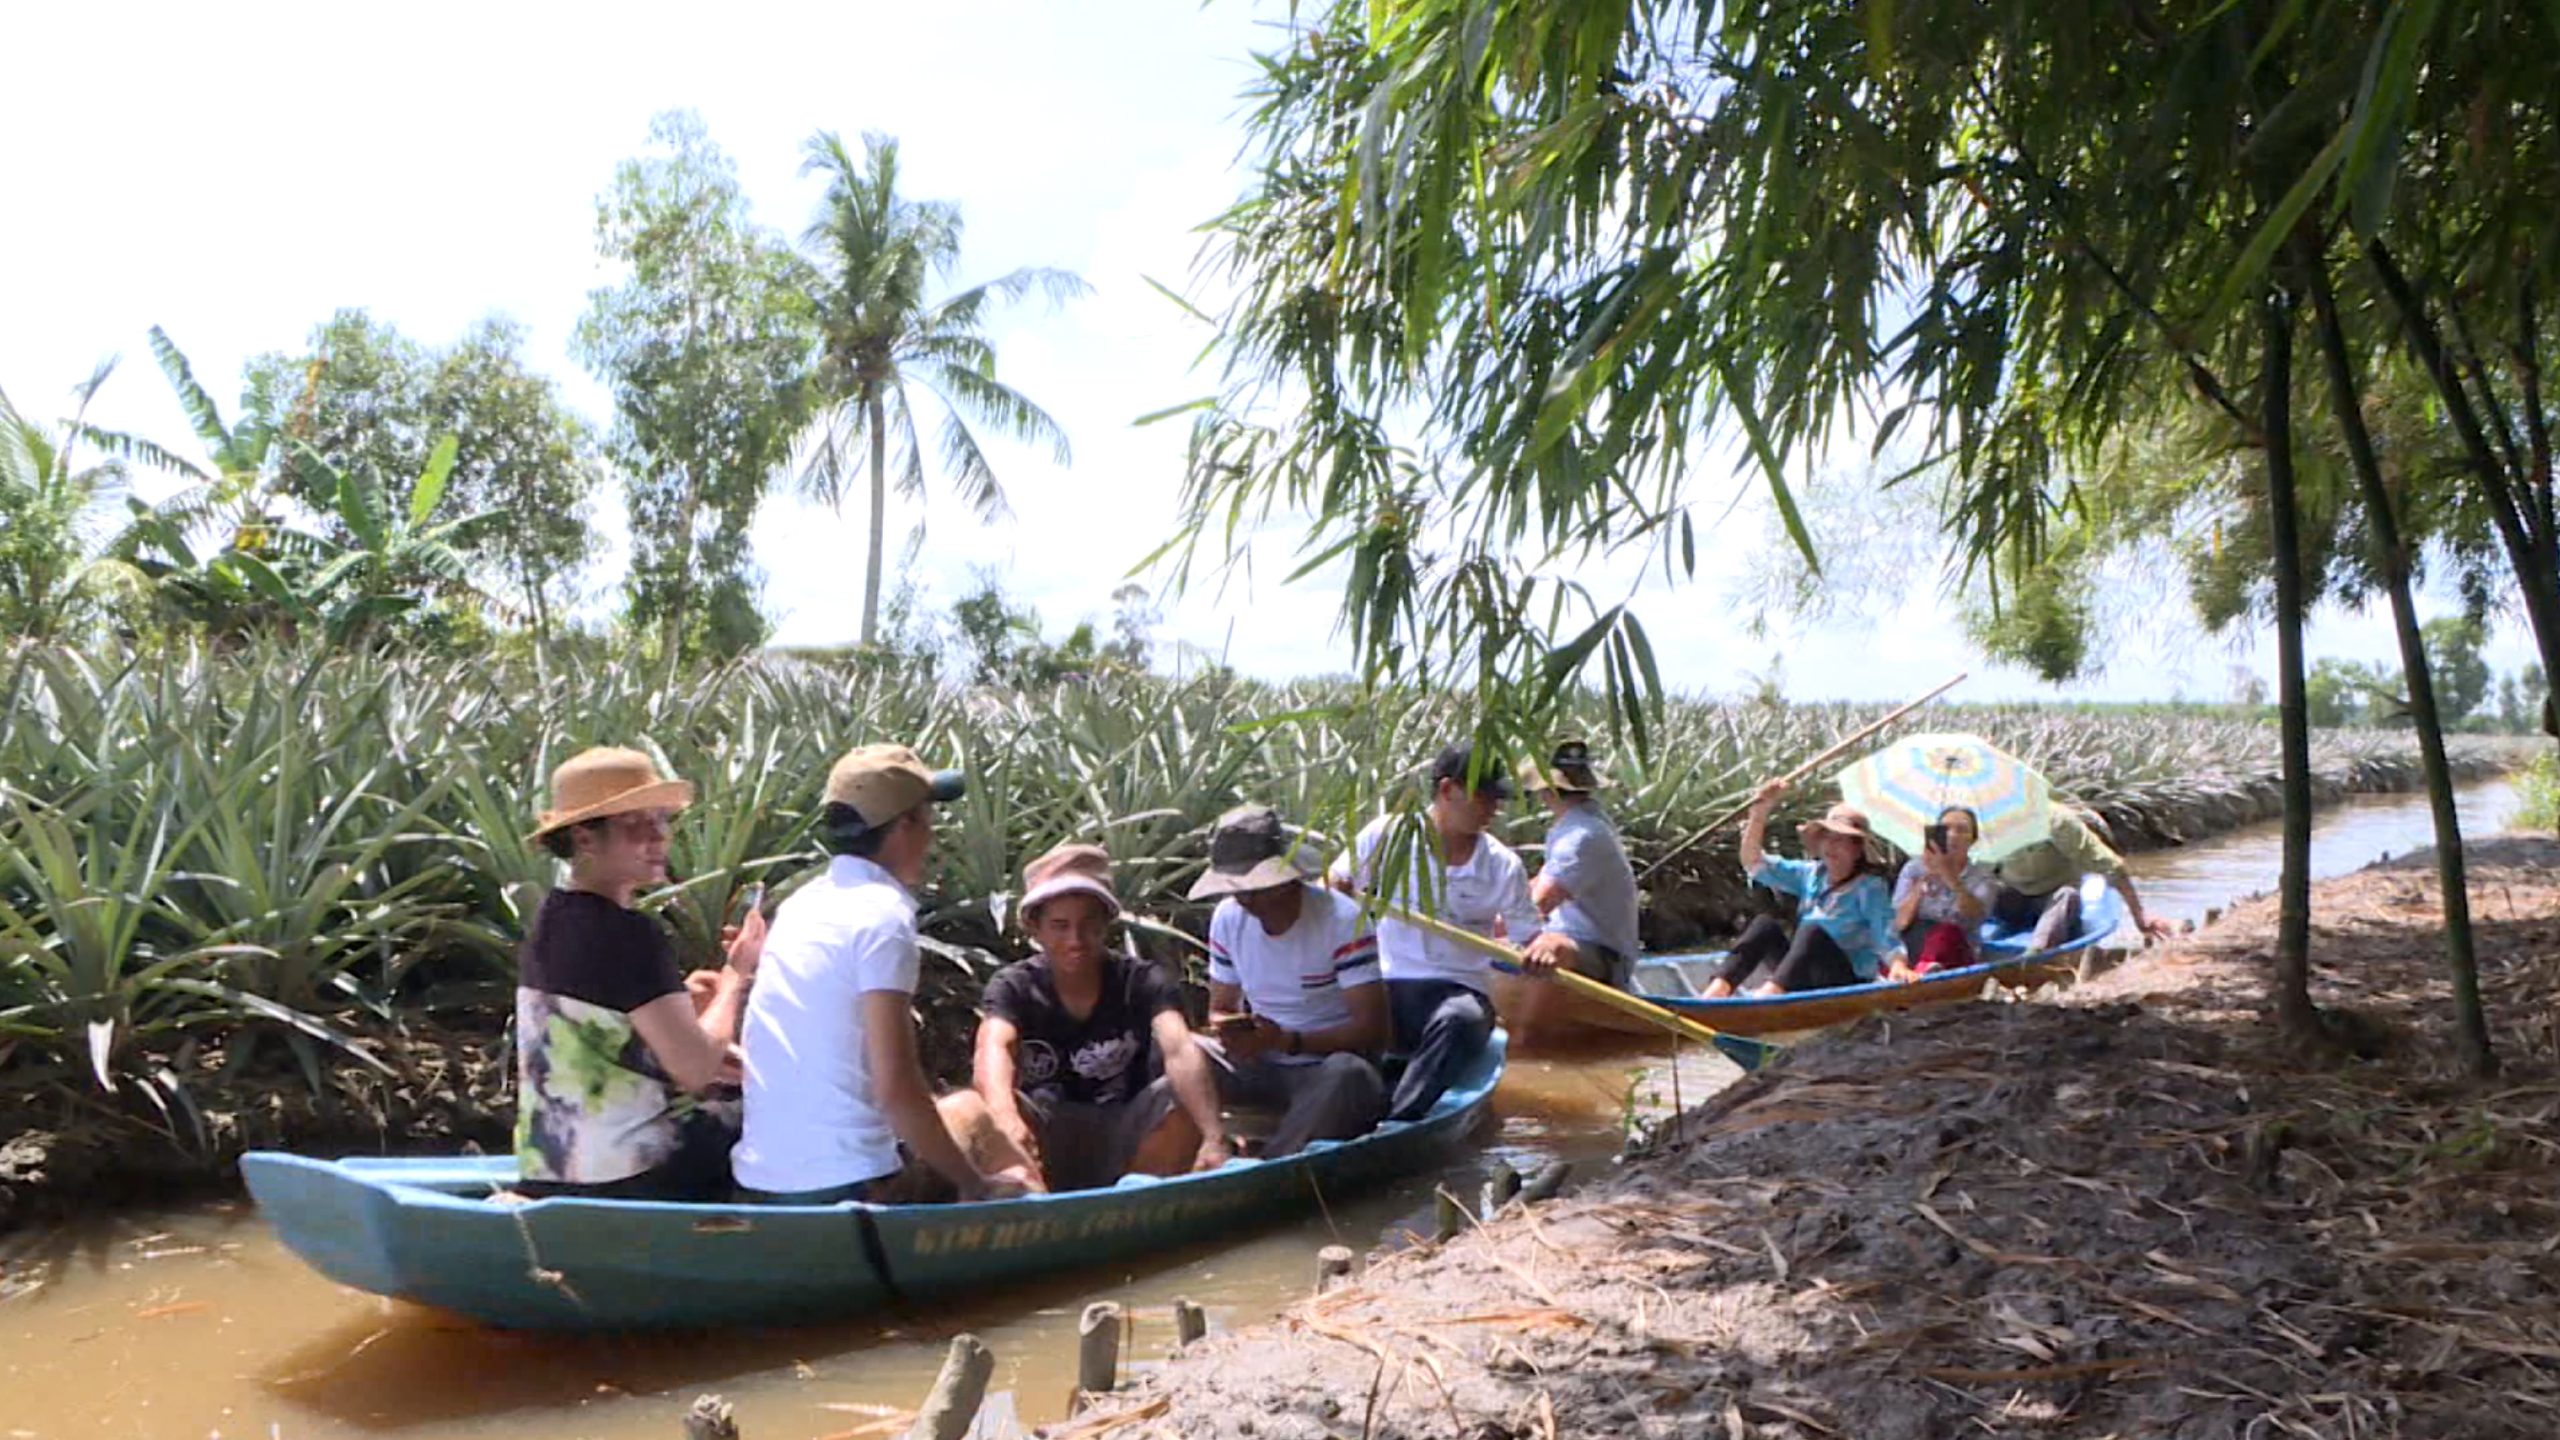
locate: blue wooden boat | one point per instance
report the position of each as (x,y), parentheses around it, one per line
(429,1230)
(1674,980)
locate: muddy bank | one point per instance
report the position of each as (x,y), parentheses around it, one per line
(2121,1213)
(1701,897)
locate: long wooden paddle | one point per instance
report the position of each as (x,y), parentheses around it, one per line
(1798,773)
(1583,985)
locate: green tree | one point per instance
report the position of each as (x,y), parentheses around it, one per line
(51,505)
(2454,643)
(1559,241)
(369,401)
(874,253)
(702,343)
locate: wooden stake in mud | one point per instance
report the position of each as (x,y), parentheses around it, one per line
(1098,1349)
(951,1407)
(1546,1183)
(1499,1188)
(1190,1324)
(1333,1267)
(711,1418)
(1451,1219)
(1792,776)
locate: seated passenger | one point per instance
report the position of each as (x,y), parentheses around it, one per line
(1064,1040)
(2039,886)
(1439,992)
(838,1103)
(1296,1008)
(1844,913)
(1941,898)
(1586,889)
(614,1064)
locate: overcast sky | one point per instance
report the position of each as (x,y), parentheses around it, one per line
(235,173)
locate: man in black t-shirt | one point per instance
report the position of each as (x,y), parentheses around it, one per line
(1084,1057)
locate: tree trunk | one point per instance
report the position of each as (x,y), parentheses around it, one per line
(872,421)
(2471,1026)
(2295,1014)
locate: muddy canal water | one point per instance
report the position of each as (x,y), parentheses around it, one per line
(195,1324)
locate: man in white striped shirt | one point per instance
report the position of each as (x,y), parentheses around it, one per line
(1296,1010)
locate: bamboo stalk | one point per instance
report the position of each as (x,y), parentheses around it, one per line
(1798,773)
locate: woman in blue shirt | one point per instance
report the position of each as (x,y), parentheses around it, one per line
(1844,911)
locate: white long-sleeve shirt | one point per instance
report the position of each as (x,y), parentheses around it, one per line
(1492,882)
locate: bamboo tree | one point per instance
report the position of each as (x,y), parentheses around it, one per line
(2471,1027)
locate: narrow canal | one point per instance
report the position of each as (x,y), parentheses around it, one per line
(195,1324)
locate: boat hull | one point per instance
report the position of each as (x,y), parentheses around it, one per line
(426,1230)
(1665,979)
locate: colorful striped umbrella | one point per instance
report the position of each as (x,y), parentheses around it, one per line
(1906,785)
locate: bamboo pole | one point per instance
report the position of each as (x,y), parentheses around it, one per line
(1190,1324)
(1798,773)
(1499,1188)
(1582,985)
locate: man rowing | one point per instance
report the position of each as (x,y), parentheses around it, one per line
(1439,992)
(1586,889)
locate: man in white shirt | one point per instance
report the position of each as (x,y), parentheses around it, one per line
(1439,992)
(838,1103)
(1295,1004)
(1586,888)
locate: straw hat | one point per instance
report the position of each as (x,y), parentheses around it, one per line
(1846,820)
(1248,850)
(608,781)
(1068,870)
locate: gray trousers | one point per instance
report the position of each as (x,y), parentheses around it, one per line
(1332,1097)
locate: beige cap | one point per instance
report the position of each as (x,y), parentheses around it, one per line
(1068,869)
(607,781)
(882,782)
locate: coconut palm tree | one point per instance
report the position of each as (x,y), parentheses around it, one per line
(875,254)
(49,503)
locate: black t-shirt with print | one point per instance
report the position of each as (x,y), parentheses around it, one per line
(586,947)
(1104,1059)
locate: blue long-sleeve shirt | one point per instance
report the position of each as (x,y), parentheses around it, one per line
(1858,915)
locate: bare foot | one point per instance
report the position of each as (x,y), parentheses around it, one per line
(1717,989)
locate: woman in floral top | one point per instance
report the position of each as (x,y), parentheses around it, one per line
(617,1055)
(1844,931)
(1942,897)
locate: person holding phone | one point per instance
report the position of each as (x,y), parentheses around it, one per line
(1941,897)
(1297,1008)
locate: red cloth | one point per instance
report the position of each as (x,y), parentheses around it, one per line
(1946,947)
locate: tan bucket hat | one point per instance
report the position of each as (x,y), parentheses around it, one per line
(605,781)
(1068,870)
(882,782)
(1249,850)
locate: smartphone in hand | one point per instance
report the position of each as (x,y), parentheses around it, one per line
(751,899)
(1935,838)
